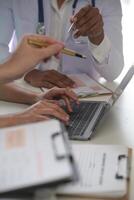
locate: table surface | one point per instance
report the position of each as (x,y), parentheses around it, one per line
(115,128)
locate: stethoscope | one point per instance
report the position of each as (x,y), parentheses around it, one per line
(41,26)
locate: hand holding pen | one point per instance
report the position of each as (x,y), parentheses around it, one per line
(88,22)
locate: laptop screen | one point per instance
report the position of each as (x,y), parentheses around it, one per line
(123,84)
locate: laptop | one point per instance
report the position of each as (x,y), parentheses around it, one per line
(85,117)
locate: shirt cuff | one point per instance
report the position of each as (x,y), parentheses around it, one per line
(100,52)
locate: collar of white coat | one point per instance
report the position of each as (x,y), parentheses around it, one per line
(55,5)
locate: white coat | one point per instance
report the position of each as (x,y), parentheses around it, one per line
(22,17)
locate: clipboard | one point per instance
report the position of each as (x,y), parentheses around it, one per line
(35,156)
(120,176)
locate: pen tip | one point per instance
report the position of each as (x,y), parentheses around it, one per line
(84,56)
(80,56)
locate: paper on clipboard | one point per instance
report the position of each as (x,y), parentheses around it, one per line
(86,86)
(34,155)
(98,166)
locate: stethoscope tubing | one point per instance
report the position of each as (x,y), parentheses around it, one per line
(41,9)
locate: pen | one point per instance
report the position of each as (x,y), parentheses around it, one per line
(71,27)
(41,89)
(69,52)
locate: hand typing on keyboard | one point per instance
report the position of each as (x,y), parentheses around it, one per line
(80,118)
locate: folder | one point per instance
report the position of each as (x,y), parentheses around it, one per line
(104,173)
(34,156)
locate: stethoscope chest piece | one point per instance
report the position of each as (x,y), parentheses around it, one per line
(41,28)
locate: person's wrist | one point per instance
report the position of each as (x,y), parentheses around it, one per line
(20,118)
(96,38)
(37,97)
(15,63)
(33,98)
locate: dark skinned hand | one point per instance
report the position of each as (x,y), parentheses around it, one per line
(48,79)
(88,22)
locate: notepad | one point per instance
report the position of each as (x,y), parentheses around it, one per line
(86,86)
(103,171)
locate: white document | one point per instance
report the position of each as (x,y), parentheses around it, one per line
(98,165)
(86,86)
(33,154)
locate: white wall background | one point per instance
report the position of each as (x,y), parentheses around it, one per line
(128,31)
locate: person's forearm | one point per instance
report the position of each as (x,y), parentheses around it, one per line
(13,120)
(5,73)
(8,72)
(12,93)
(10,120)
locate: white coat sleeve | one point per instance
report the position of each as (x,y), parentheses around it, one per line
(112,65)
(6,28)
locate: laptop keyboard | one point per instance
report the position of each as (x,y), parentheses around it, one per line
(81,117)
